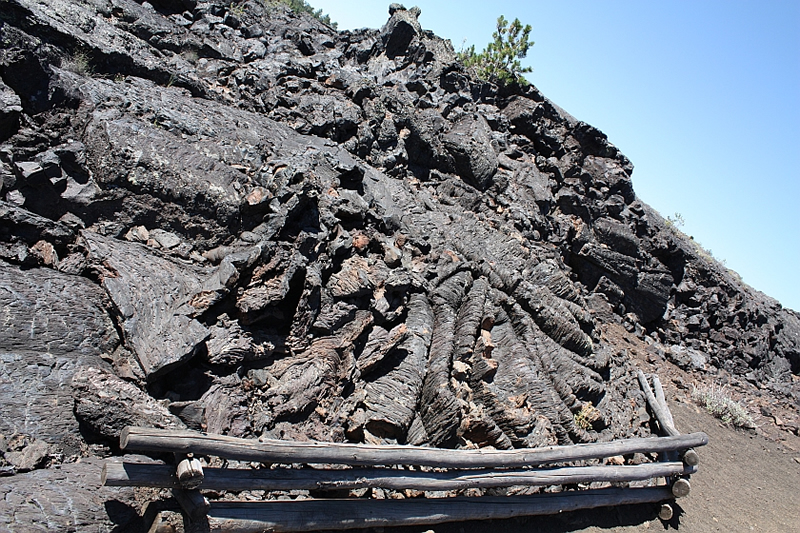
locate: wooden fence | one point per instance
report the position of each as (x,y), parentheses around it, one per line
(431,469)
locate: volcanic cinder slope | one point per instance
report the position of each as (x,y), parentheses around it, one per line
(230,217)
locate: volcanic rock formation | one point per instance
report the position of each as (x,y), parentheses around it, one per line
(230,217)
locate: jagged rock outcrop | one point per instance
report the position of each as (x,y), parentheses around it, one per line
(236,219)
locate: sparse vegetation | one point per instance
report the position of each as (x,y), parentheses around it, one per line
(499,61)
(588,415)
(676,220)
(301,6)
(190,55)
(237,8)
(78,63)
(718,402)
(708,254)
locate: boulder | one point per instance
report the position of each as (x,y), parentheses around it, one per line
(26,454)
(400,30)
(105,405)
(469,143)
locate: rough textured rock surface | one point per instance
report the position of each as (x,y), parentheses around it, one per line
(67,498)
(53,324)
(233,218)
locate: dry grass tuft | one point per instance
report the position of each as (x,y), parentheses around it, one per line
(587,416)
(78,63)
(718,402)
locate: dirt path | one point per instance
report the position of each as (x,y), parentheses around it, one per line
(745,482)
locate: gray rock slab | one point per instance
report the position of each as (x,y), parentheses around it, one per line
(106,404)
(66,498)
(53,323)
(157,299)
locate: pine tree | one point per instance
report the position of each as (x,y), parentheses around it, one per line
(499,61)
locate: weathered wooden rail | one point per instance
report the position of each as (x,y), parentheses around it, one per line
(402,467)
(163,476)
(279,451)
(313,515)
(658,404)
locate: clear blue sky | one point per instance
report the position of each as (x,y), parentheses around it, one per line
(703,96)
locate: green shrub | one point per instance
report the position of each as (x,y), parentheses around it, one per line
(499,61)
